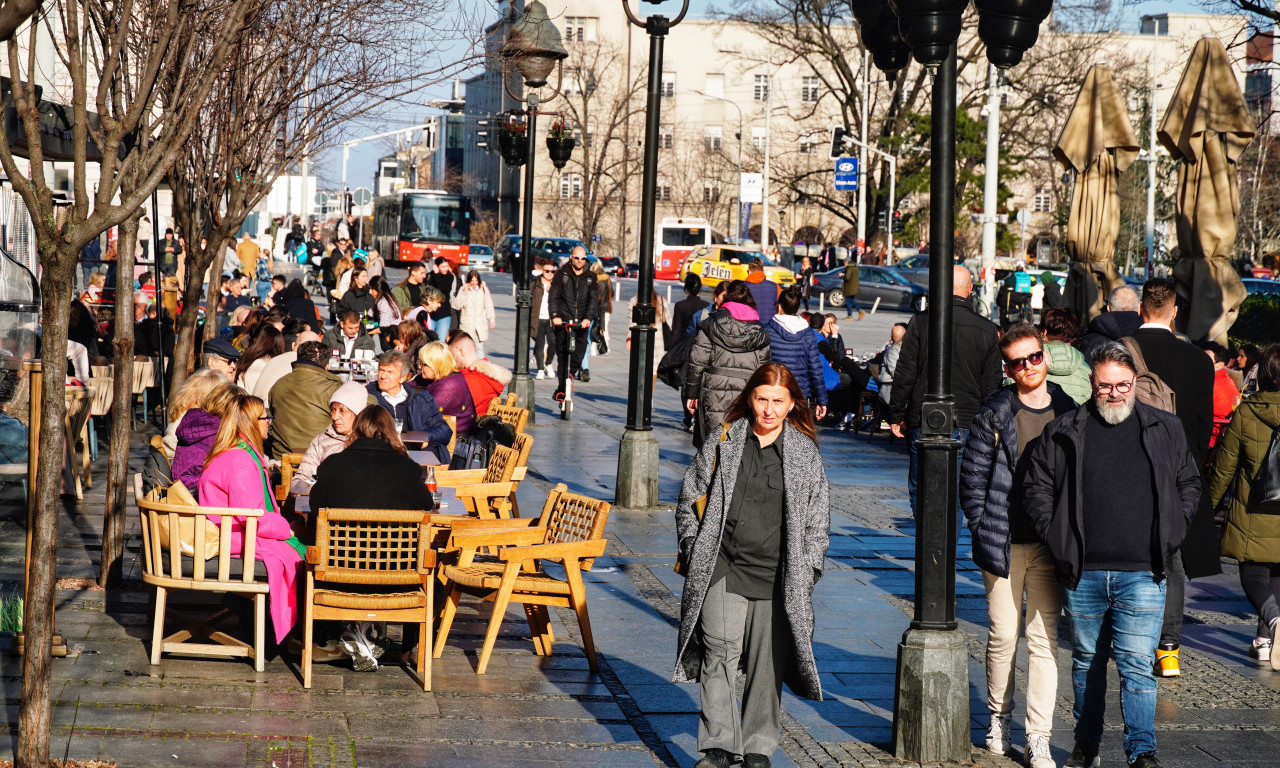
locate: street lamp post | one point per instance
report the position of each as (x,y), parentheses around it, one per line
(534,47)
(638,450)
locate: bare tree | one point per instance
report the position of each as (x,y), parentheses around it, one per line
(119,58)
(13,13)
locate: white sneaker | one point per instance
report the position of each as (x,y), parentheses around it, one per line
(1260,649)
(998,734)
(1036,754)
(540,375)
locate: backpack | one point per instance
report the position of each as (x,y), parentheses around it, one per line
(473,451)
(1150,389)
(1264,492)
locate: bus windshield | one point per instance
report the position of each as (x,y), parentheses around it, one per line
(683,237)
(438,219)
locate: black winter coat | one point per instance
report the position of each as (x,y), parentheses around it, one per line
(1055,488)
(574,298)
(1109,326)
(370,474)
(975,365)
(358,300)
(724,355)
(986,474)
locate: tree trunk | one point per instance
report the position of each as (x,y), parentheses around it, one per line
(184,357)
(213,295)
(34,716)
(117,508)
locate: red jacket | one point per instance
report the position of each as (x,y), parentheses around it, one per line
(486,381)
(1225,399)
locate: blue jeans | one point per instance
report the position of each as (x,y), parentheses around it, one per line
(851,304)
(1116,613)
(441,327)
(914,434)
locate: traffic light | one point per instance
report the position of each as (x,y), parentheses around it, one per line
(897,221)
(882,219)
(482,135)
(837,141)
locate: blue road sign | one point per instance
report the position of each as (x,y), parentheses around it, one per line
(847,174)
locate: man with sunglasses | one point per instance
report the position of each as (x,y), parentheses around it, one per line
(1111,489)
(574,301)
(1014,562)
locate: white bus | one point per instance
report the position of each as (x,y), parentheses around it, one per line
(676,238)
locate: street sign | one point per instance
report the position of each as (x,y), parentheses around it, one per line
(361,196)
(751,188)
(597,238)
(322,198)
(1024,216)
(847,174)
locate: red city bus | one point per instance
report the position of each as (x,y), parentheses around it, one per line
(413,224)
(676,238)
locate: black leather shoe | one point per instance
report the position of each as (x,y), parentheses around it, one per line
(1146,760)
(585,376)
(714,758)
(755,760)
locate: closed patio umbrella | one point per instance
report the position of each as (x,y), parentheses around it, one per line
(1097,143)
(1207,127)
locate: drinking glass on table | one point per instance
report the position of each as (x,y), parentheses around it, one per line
(399,426)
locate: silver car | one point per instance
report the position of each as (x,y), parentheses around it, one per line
(481,257)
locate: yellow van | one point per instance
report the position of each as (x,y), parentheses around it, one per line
(714,263)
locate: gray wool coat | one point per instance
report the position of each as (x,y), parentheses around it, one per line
(805,538)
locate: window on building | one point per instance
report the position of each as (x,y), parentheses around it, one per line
(666,137)
(712,138)
(809,89)
(580,29)
(582,140)
(714,88)
(761,90)
(809,142)
(668,85)
(570,186)
(711,194)
(1043,201)
(664,190)
(759,138)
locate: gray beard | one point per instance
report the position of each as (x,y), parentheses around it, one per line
(1113,414)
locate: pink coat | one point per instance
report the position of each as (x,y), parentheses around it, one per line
(233,479)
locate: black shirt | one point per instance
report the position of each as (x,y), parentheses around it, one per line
(1119,496)
(1030,423)
(415,294)
(751,548)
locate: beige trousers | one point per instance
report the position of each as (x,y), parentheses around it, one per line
(1031,574)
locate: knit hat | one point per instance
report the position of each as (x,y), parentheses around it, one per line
(351,395)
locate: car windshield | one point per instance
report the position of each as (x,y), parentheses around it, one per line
(561,246)
(745,257)
(894,276)
(611,261)
(481,250)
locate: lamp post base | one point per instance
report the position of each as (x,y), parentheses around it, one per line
(931,704)
(522,387)
(637,469)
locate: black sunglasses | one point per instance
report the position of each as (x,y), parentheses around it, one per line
(1035,358)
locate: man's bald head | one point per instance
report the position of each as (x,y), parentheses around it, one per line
(897,332)
(304,337)
(962,281)
(1123,299)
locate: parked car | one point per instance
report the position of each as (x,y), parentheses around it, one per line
(714,263)
(480,257)
(557,248)
(884,283)
(613,266)
(915,268)
(633,269)
(508,250)
(1256,285)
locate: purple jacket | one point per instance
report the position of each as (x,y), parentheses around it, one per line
(196,434)
(454,398)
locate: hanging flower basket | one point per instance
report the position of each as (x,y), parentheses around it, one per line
(559,144)
(514,148)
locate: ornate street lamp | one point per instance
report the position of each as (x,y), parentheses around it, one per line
(533,48)
(638,450)
(878,28)
(931,709)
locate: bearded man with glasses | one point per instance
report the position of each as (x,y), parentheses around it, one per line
(1111,489)
(1014,562)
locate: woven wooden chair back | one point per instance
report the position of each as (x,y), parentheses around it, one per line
(452,421)
(102,389)
(515,416)
(505,461)
(101,371)
(158,567)
(144,374)
(370,546)
(573,517)
(289,464)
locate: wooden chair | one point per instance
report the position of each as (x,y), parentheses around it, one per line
(570,530)
(452,421)
(359,559)
(222,572)
(76,436)
(491,492)
(144,377)
(511,414)
(103,388)
(289,464)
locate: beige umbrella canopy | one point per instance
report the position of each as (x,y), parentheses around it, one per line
(1097,143)
(1207,127)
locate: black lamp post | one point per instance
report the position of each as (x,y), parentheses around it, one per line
(638,449)
(931,708)
(533,47)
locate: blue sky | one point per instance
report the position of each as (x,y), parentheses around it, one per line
(364,157)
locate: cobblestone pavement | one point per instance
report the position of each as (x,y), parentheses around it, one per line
(552,711)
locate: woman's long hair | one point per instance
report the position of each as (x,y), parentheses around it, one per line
(267,342)
(775,375)
(240,423)
(194,391)
(375,422)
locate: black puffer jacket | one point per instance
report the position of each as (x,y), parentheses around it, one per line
(724,355)
(1055,488)
(358,300)
(574,298)
(975,365)
(986,475)
(1108,326)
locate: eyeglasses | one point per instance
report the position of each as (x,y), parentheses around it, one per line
(1123,387)
(1017,364)
(578,258)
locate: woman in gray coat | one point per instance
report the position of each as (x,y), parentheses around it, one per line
(751,560)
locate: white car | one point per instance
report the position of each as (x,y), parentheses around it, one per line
(480,257)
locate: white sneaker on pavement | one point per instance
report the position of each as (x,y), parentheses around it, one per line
(998,734)
(1036,754)
(541,374)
